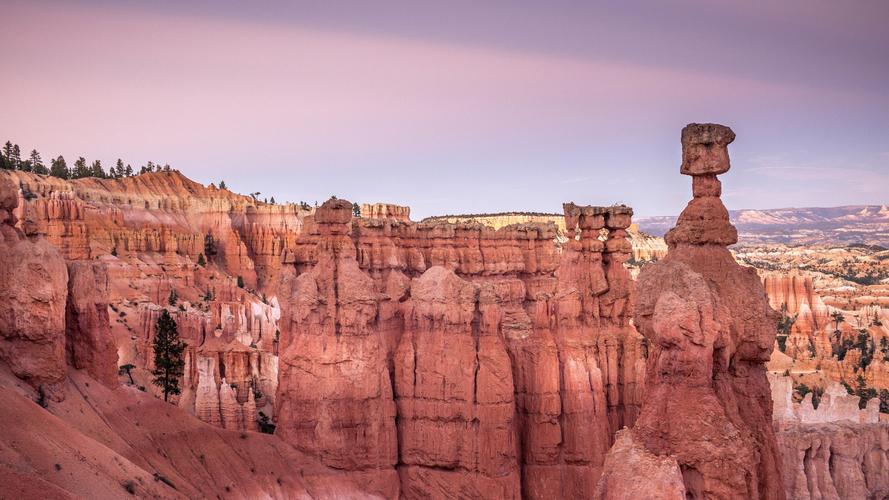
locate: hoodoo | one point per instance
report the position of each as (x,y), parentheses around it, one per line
(707,411)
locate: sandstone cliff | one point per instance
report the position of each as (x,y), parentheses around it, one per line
(442,358)
(72,310)
(131,245)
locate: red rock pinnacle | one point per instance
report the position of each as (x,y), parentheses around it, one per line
(710,330)
(704,155)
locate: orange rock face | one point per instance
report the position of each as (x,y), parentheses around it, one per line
(440,358)
(88,340)
(835,460)
(33,293)
(130,245)
(710,328)
(657,477)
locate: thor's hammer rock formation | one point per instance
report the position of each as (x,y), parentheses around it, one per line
(710,329)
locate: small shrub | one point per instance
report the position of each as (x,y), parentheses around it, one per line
(159,477)
(41,397)
(126,369)
(265,425)
(782,342)
(130,486)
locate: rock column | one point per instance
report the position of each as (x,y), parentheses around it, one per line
(710,330)
(335,395)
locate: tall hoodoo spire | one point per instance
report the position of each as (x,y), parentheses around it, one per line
(705,428)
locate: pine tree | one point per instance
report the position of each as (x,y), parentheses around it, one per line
(201,260)
(80,169)
(59,168)
(222,185)
(168,363)
(173,298)
(7,156)
(240,282)
(356,210)
(37,165)
(128,171)
(118,168)
(272,200)
(209,245)
(16,158)
(96,170)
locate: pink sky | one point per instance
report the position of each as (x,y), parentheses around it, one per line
(302,108)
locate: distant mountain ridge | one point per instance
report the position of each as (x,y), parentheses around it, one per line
(866,224)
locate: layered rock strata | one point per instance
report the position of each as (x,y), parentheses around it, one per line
(645,247)
(136,245)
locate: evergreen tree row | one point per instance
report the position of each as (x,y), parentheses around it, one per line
(11,159)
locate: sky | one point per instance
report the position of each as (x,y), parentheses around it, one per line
(461,106)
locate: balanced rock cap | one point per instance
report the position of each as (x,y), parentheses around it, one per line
(705,149)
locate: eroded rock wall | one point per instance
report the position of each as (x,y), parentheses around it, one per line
(442,358)
(835,460)
(33,294)
(136,245)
